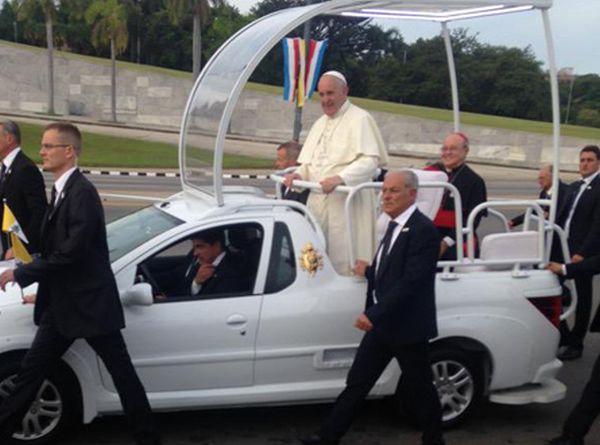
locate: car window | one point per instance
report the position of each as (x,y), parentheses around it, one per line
(282,265)
(133,230)
(214,263)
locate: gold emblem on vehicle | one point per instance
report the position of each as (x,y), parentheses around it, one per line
(311,260)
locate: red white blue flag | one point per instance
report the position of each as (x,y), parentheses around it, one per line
(300,76)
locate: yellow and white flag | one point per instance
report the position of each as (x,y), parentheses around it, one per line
(16,235)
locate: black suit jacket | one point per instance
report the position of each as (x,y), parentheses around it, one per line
(563,191)
(405,311)
(24,193)
(76,282)
(228,278)
(301,196)
(584,231)
(589,266)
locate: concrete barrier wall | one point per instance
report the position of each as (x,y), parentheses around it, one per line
(82,88)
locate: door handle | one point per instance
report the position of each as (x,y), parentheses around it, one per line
(236,320)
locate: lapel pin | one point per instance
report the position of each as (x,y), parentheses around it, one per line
(405,229)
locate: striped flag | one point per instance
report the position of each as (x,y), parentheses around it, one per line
(300,76)
(315,59)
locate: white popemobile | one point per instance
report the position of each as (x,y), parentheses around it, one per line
(289,337)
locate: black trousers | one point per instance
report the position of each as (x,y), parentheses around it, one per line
(587,409)
(575,336)
(47,348)
(372,357)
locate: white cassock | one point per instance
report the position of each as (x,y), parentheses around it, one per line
(348,145)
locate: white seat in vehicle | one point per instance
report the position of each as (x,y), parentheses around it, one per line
(510,245)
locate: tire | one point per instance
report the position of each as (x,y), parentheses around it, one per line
(56,406)
(458,378)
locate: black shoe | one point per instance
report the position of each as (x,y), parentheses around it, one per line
(563,440)
(315,439)
(571,353)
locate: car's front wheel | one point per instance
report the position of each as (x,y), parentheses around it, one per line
(55,405)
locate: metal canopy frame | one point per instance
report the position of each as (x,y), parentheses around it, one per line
(219,86)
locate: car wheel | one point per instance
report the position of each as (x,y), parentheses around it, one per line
(458,379)
(55,406)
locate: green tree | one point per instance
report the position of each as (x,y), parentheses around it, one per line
(200,9)
(109,21)
(27,9)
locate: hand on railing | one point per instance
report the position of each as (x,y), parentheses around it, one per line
(329,184)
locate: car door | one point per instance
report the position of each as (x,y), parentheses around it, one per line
(185,343)
(306,340)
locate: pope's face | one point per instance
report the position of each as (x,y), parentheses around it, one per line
(333,94)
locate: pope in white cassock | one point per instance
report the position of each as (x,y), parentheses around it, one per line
(343,147)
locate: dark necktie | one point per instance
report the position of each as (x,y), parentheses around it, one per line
(2,176)
(52,200)
(385,245)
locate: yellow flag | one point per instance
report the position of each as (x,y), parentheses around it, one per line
(10,224)
(19,250)
(8,219)
(301,74)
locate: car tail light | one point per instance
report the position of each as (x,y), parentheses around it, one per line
(550,307)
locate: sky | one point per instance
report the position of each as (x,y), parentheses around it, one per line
(575,29)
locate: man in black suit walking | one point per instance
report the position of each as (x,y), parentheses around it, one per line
(400,315)
(21,188)
(77,295)
(580,219)
(582,416)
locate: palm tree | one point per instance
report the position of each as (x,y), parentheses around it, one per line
(177,9)
(109,21)
(26,9)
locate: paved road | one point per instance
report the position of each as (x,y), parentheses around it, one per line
(376,424)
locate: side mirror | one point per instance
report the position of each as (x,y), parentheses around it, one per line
(139,294)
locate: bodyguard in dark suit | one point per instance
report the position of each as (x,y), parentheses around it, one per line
(582,416)
(77,295)
(581,220)
(400,315)
(287,158)
(21,188)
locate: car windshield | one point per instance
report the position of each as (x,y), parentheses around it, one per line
(131,231)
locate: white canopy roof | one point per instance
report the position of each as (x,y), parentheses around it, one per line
(217,90)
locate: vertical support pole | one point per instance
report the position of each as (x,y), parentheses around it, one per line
(555,125)
(452,72)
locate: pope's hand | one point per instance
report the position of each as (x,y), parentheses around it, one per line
(288,180)
(6,277)
(329,184)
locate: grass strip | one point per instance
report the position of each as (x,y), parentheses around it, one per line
(118,152)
